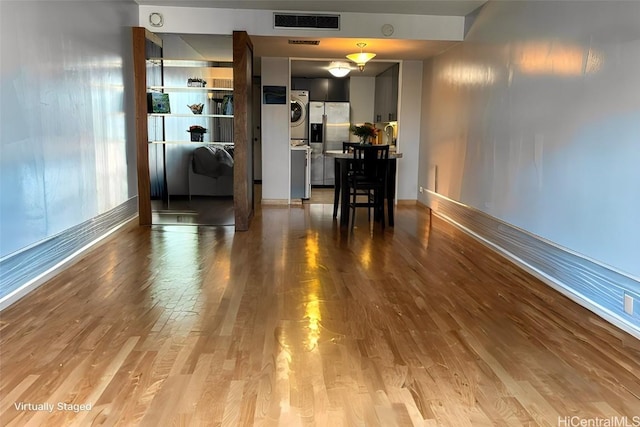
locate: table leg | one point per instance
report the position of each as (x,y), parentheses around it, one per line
(391,190)
(336,190)
(344,195)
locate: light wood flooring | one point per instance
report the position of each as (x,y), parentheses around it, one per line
(320,195)
(297,323)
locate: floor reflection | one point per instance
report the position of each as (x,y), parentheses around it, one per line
(200,210)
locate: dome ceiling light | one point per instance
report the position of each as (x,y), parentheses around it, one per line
(361,58)
(339,69)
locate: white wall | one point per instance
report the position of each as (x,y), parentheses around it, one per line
(535,119)
(66,120)
(275,133)
(409,117)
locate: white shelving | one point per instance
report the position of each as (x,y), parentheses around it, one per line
(216,95)
(189,89)
(186,142)
(193,116)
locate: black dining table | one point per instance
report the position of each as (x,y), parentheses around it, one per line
(341,198)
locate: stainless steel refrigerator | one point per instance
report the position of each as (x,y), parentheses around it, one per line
(328,128)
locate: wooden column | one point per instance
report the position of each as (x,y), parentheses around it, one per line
(142,153)
(141,37)
(243,196)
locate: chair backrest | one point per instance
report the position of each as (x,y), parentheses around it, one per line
(368,152)
(348,146)
(371,160)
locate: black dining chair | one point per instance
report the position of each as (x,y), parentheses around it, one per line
(347,147)
(367,180)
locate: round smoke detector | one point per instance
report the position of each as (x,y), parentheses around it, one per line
(155,19)
(387,30)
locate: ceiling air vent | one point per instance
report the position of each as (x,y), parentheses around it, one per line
(305,42)
(325,22)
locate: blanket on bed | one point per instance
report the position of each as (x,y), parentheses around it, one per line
(212,161)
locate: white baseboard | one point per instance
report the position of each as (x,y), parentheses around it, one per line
(275,202)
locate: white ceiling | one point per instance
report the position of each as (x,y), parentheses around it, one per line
(387,51)
(410,7)
(312,61)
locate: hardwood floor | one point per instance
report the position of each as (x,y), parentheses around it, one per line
(296,323)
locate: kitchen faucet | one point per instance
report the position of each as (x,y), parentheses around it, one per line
(388,132)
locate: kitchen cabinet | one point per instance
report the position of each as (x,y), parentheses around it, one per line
(323,89)
(300,172)
(386,95)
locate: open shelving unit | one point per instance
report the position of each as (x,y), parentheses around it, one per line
(208,84)
(216,95)
(159,136)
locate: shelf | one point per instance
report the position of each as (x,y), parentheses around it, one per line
(185,142)
(170,130)
(190,89)
(222,116)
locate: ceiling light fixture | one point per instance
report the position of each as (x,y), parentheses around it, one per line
(361,58)
(339,69)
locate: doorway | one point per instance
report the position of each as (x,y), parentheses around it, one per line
(189,161)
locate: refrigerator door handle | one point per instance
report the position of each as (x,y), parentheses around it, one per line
(324,133)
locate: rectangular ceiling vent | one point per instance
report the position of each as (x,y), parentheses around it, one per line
(290,20)
(305,42)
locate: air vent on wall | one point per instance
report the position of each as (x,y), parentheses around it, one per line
(305,42)
(286,20)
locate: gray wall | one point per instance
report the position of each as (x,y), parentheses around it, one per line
(409,129)
(530,140)
(67,151)
(535,120)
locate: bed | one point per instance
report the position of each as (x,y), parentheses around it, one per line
(211,171)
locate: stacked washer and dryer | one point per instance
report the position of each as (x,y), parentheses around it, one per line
(299,117)
(300,149)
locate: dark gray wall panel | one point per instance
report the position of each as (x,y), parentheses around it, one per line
(20,268)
